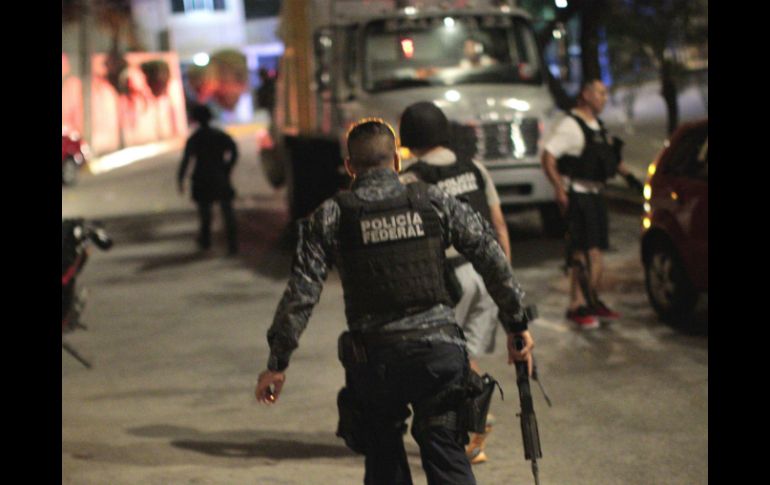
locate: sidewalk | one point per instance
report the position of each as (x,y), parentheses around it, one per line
(138,153)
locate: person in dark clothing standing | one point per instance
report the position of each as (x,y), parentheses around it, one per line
(403,347)
(215,154)
(266,90)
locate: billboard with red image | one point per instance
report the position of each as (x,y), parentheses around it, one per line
(136,98)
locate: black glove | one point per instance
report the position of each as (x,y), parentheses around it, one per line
(634,183)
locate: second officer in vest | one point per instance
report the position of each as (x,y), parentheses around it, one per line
(424,129)
(403,347)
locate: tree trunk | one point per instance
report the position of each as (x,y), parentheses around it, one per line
(669,92)
(589,41)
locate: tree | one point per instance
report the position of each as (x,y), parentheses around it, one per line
(659,27)
(592,15)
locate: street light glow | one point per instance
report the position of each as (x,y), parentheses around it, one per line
(201,59)
(561,3)
(449,22)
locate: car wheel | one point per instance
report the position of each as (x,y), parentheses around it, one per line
(669,289)
(69,171)
(553,222)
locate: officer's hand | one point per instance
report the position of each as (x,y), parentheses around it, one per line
(525,354)
(266,379)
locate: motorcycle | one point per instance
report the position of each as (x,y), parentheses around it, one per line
(77,237)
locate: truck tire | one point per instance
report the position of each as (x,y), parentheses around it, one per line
(553,223)
(313,173)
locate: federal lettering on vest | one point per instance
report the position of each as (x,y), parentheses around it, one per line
(407,225)
(462,184)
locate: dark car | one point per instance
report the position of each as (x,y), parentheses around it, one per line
(74,154)
(675,234)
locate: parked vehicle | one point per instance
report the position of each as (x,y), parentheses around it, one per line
(675,224)
(347,59)
(77,237)
(74,155)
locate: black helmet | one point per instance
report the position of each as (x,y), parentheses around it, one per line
(423,125)
(201,113)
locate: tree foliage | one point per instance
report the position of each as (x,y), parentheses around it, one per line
(652,30)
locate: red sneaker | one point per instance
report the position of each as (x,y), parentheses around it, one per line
(604,312)
(583,317)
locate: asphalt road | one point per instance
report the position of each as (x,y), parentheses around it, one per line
(177,340)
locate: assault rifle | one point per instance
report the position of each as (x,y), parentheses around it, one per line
(529,433)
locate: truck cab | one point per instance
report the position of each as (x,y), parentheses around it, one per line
(481,65)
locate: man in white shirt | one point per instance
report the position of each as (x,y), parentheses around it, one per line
(578,158)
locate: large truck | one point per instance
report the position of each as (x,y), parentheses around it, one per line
(479,61)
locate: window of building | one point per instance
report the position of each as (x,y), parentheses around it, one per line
(182,6)
(261,8)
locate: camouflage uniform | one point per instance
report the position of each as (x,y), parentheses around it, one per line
(421,372)
(317,251)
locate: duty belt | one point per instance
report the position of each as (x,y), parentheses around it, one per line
(389,338)
(353,347)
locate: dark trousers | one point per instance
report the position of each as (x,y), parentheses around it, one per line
(587,222)
(410,373)
(204,214)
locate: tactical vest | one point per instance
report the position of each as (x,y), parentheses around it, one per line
(391,254)
(461,179)
(598,161)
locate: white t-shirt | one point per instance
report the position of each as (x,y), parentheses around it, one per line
(566,138)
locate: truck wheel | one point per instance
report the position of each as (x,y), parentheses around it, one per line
(669,289)
(69,171)
(552,221)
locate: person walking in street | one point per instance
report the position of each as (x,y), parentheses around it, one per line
(403,346)
(424,129)
(214,153)
(578,158)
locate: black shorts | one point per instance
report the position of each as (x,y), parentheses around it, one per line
(587,222)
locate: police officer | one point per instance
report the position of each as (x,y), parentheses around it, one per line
(578,158)
(424,129)
(403,347)
(214,153)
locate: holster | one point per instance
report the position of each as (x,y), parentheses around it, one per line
(351,350)
(473,415)
(351,421)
